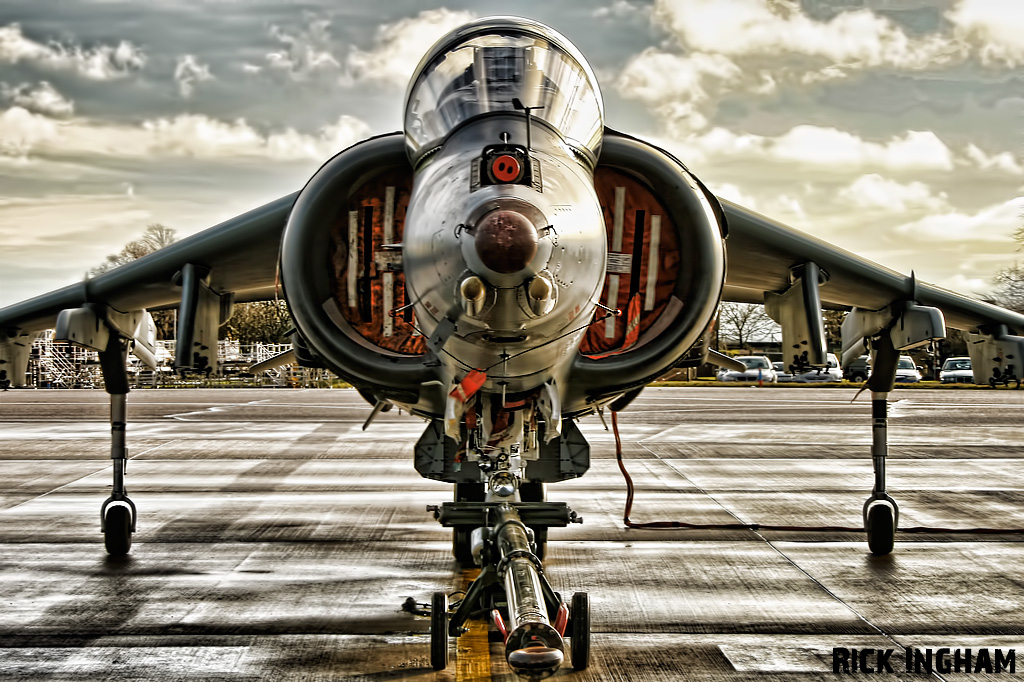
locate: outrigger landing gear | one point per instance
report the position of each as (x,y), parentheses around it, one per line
(117,514)
(881,513)
(529,617)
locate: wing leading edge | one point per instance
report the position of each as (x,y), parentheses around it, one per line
(762,254)
(239,254)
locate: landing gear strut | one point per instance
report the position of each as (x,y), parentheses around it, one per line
(118,513)
(529,617)
(881,513)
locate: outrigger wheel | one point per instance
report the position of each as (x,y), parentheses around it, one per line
(439,631)
(117,532)
(579,633)
(881,529)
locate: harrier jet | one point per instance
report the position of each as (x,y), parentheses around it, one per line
(501,267)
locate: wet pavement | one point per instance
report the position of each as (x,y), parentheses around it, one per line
(277,540)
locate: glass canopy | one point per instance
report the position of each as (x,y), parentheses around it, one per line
(481,67)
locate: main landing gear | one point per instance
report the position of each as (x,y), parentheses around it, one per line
(528,616)
(118,513)
(881,513)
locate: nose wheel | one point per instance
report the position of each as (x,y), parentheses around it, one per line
(881,528)
(439,631)
(579,633)
(117,530)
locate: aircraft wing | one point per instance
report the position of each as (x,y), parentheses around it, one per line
(240,255)
(762,253)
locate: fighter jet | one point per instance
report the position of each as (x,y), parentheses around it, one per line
(503,266)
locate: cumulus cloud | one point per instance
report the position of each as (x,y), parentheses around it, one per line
(733,193)
(993,29)
(992,224)
(23,133)
(823,148)
(42,98)
(1003,161)
(100,63)
(304,52)
(872,191)
(188,72)
(771,28)
(620,10)
(677,85)
(398,47)
(760,47)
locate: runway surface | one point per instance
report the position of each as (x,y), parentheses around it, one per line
(277,540)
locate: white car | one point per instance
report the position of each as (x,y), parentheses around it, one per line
(759,368)
(957,371)
(906,371)
(819,375)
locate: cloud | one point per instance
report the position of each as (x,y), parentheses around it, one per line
(992,224)
(823,148)
(779,27)
(872,191)
(23,133)
(99,63)
(760,47)
(733,193)
(678,85)
(620,10)
(398,47)
(1003,161)
(306,51)
(188,72)
(993,28)
(41,99)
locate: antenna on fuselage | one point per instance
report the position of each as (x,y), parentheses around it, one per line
(518,106)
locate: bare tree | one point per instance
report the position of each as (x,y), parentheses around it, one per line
(742,323)
(1009,291)
(155,237)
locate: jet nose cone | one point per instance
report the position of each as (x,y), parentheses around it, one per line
(506,241)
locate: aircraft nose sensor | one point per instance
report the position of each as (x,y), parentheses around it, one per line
(506,241)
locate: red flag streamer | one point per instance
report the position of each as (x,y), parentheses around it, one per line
(469,385)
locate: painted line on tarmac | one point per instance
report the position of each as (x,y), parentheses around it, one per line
(473,649)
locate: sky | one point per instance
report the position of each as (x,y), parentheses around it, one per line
(891,128)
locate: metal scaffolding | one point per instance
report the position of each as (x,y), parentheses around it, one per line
(59,364)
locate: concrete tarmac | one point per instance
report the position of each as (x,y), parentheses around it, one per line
(277,540)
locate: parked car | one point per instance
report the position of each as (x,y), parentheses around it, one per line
(906,371)
(957,371)
(781,375)
(759,367)
(827,374)
(859,370)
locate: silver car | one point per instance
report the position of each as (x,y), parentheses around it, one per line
(759,368)
(957,371)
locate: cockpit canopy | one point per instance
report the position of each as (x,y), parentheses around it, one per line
(481,67)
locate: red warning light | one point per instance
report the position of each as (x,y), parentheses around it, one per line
(506,168)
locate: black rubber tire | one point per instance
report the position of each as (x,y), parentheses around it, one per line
(439,631)
(117,535)
(858,378)
(881,530)
(579,631)
(462,547)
